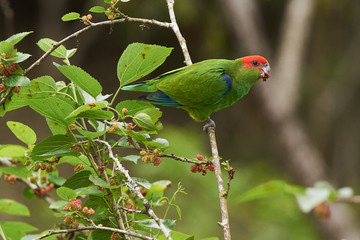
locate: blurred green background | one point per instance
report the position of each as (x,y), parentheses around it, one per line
(327,108)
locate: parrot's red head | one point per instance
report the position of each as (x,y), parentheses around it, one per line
(260,63)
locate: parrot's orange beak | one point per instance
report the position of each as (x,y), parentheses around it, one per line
(265,72)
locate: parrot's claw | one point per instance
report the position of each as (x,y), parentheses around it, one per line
(209,123)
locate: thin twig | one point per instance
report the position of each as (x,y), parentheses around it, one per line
(128,233)
(222,193)
(134,188)
(175,28)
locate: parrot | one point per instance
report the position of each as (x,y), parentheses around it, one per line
(205,87)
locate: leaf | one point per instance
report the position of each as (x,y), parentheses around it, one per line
(17,171)
(54,109)
(51,177)
(56,128)
(138,60)
(83,108)
(180,236)
(46,44)
(144,121)
(70,52)
(268,189)
(160,185)
(66,193)
(57,145)
(131,158)
(19,57)
(58,204)
(96,114)
(81,79)
(70,16)
(97,9)
(91,135)
(16,230)
(16,80)
(12,151)
(14,39)
(28,193)
(79,180)
(150,223)
(22,132)
(13,208)
(7,49)
(100,182)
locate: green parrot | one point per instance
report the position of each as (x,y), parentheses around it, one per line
(205,87)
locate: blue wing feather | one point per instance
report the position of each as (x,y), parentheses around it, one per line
(160,98)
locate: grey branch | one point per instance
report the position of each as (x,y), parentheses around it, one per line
(134,188)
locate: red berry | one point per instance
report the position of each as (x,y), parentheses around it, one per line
(85,210)
(199,157)
(157,161)
(193,168)
(49,169)
(200,168)
(43,167)
(17,89)
(42,191)
(211,167)
(143,192)
(203,172)
(91,211)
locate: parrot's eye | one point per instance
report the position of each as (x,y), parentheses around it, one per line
(255,63)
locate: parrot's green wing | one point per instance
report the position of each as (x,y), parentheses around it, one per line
(185,87)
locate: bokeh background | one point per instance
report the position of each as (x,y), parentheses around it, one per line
(301,126)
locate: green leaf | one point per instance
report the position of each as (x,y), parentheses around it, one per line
(6,48)
(13,151)
(22,132)
(28,193)
(14,39)
(17,171)
(57,145)
(160,185)
(79,180)
(99,182)
(16,80)
(81,79)
(16,230)
(56,179)
(131,158)
(54,109)
(96,114)
(268,189)
(70,16)
(144,121)
(97,9)
(138,60)
(56,128)
(66,193)
(83,108)
(19,57)
(70,52)
(59,204)
(150,223)
(46,44)
(13,208)
(91,135)
(180,236)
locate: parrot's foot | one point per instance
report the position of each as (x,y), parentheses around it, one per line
(209,123)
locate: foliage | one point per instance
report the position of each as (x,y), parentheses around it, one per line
(94,136)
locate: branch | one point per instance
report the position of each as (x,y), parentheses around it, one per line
(128,233)
(134,188)
(175,28)
(222,193)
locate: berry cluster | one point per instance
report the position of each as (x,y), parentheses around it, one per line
(7,70)
(151,157)
(202,167)
(48,168)
(86,19)
(10,178)
(75,205)
(42,191)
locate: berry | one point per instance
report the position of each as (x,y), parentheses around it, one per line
(68,219)
(50,187)
(75,203)
(157,161)
(76,148)
(200,168)
(42,166)
(115,236)
(91,211)
(66,208)
(13,67)
(211,167)
(193,168)
(125,111)
(199,157)
(203,172)
(42,191)
(143,192)
(33,179)
(85,210)
(36,167)
(142,152)
(130,126)
(2,87)
(49,169)
(75,224)
(113,128)
(17,89)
